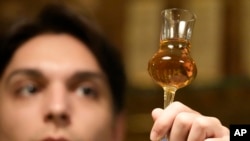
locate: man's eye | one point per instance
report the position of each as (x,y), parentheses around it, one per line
(86,91)
(28,89)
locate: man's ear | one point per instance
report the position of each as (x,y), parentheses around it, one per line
(120,127)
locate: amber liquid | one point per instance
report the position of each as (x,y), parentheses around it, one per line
(172,65)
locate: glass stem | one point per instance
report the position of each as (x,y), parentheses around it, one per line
(169,94)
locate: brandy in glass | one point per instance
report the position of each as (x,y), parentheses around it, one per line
(172,66)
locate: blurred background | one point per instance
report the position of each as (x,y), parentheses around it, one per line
(220,47)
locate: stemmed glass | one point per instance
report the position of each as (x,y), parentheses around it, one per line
(172,66)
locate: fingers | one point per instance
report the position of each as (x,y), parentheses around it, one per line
(206,127)
(165,119)
(224,135)
(179,122)
(181,126)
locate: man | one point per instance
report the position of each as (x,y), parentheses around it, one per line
(60,80)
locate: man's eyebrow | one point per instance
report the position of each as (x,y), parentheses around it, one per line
(86,75)
(76,77)
(27,72)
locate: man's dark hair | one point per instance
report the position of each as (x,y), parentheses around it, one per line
(60,19)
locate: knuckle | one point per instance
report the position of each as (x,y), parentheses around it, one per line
(201,123)
(182,118)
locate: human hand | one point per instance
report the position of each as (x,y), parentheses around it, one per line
(181,123)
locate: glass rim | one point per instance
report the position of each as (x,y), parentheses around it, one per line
(193,16)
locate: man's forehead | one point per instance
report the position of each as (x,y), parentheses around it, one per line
(55,52)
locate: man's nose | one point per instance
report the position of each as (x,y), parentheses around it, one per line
(57,106)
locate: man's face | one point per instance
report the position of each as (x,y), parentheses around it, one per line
(54,90)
